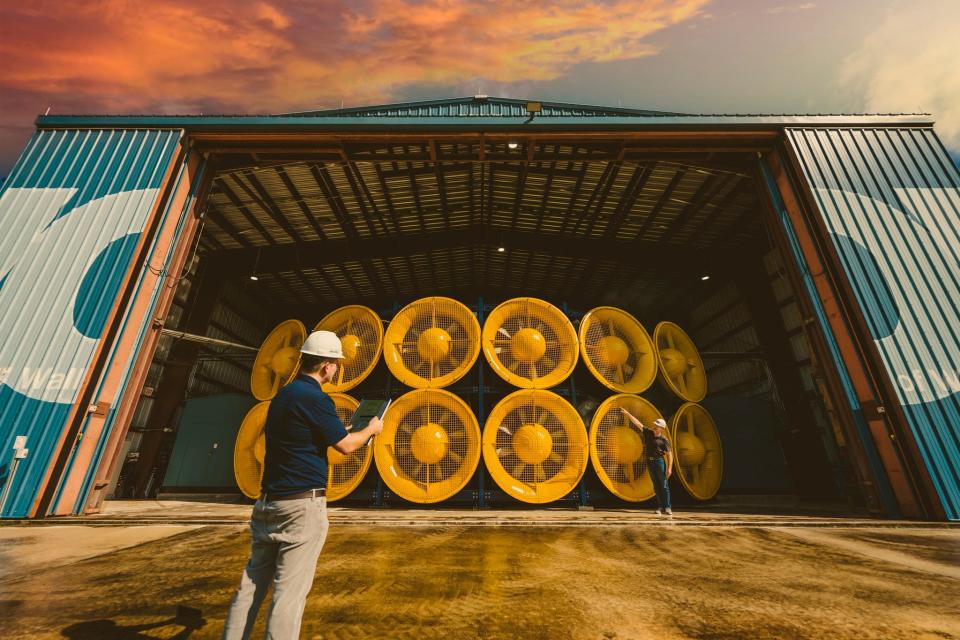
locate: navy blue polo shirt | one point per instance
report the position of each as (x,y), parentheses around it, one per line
(654,446)
(302,422)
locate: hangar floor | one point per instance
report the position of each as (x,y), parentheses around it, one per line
(537,581)
(731,510)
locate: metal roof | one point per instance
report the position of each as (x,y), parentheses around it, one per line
(482,106)
(390,224)
(480,112)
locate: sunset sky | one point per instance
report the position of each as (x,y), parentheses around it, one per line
(699,56)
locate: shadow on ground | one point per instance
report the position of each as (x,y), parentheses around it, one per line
(186,621)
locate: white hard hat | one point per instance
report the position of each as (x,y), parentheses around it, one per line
(660,422)
(324,344)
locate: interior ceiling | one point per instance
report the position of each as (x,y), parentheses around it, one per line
(376,224)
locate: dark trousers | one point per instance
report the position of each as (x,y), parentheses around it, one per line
(658,473)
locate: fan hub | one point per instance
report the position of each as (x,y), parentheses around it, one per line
(284,361)
(528,345)
(624,445)
(674,362)
(690,449)
(434,344)
(429,443)
(351,345)
(532,443)
(612,351)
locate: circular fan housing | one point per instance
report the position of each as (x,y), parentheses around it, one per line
(681,368)
(346,471)
(699,456)
(617,350)
(361,333)
(278,359)
(432,343)
(530,343)
(535,446)
(429,447)
(616,447)
(249,450)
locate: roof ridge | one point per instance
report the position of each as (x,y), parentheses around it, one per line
(483,103)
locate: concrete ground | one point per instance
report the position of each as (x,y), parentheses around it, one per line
(483,575)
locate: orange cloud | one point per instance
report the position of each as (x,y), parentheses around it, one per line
(269,56)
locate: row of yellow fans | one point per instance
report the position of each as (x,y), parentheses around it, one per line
(432,342)
(534,444)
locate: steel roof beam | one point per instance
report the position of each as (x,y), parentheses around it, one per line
(285,258)
(705,193)
(242,208)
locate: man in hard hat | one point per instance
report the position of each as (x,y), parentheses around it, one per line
(289,522)
(659,456)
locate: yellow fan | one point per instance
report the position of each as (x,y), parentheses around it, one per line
(431,343)
(430,445)
(697,451)
(530,343)
(346,472)
(616,447)
(535,446)
(278,360)
(618,350)
(249,450)
(681,368)
(361,333)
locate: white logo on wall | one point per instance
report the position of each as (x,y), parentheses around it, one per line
(43,355)
(922,351)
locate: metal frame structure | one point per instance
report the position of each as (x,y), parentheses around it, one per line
(357,203)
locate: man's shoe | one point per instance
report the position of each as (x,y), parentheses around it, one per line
(669,512)
(658,512)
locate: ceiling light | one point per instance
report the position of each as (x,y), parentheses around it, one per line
(704,278)
(513,145)
(254,278)
(501,249)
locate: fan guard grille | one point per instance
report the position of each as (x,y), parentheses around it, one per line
(617,449)
(278,359)
(432,342)
(346,472)
(535,446)
(530,343)
(361,333)
(681,369)
(430,445)
(699,454)
(249,450)
(617,350)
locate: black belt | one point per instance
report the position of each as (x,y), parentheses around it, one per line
(654,459)
(309,493)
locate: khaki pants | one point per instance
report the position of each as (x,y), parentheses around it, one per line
(287,536)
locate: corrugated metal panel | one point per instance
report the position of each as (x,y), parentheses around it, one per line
(512,117)
(891,202)
(73,210)
(158,258)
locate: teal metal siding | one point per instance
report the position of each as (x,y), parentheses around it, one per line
(73,210)
(152,259)
(890,199)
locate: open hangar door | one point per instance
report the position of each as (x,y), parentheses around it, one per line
(684,233)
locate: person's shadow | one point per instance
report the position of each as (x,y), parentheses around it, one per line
(187,617)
